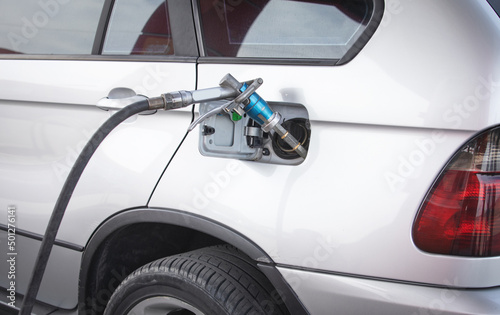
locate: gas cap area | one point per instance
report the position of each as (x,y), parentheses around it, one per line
(241,137)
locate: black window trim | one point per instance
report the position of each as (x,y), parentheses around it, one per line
(269,61)
(131,58)
(182,28)
(495,4)
(197,25)
(102,27)
(366,34)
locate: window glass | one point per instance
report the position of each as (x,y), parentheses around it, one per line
(49,26)
(282,28)
(139,28)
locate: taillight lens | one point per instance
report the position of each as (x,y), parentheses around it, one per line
(461,213)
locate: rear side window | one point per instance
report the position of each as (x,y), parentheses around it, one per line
(49,26)
(324,29)
(139,28)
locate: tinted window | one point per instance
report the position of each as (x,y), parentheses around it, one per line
(49,26)
(282,28)
(139,27)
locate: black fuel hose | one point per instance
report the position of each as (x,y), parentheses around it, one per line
(65,196)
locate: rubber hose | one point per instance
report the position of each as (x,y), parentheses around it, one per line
(65,195)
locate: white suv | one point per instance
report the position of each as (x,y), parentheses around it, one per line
(394,210)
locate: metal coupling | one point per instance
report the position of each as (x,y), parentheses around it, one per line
(269,124)
(156,102)
(178,99)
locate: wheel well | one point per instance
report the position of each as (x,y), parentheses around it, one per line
(131,247)
(134,237)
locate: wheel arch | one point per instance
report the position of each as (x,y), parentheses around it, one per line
(141,235)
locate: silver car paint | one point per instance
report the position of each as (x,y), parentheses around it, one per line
(382,126)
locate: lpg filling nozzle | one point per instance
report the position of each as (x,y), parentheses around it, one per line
(250,103)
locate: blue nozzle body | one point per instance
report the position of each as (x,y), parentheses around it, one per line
(257,108)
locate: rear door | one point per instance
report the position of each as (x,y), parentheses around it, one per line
(57,59)
(310,55)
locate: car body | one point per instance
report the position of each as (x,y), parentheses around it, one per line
(334,234)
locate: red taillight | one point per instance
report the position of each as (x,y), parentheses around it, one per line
(461,213)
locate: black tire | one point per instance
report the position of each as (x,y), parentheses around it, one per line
(213,280)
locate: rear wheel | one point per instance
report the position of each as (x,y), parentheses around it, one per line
(213,280)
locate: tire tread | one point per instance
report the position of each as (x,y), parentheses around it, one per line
(231,278)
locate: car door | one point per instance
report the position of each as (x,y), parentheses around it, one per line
(57,60)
